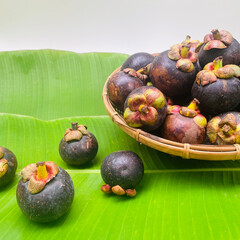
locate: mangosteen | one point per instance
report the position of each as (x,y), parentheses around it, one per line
(45,192)
(122,171)
(174,71)
(224,129)
(138,60)
(8,166)
(217,87)
(145,108)
(78,146)
(219,43)
(184,124)
(121,83)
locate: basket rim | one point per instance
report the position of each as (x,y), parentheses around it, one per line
(184,150)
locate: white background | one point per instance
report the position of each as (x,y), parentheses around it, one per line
(111,26)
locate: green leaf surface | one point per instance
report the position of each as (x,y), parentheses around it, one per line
(51,84)
(42,92)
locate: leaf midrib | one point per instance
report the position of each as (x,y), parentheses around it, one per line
(51,120)
(96,171)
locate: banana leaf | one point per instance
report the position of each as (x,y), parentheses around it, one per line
(42,92)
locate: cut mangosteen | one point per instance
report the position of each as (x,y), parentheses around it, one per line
(184,124)
(224,129)
(219,43)
(145,108)
(8,166)
(45,192)
(122,171)
(217,87)
(78,146)
(121,83)
(174,71)
(138,60)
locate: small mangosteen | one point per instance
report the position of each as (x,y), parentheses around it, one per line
(184,124)
(224,129)
(217,87)
(174,71)
(219,43)
(138,60)
(121,83)
(8,166)
(78,146)
(45,192)
(122,171)
(145,108)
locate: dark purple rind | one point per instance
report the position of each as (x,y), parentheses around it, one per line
(182,129)
(79,152)
(231,54)
(217,97)
(49,204)
(138,61)
(167,78)
(124,168)
(122,84)
(12,167)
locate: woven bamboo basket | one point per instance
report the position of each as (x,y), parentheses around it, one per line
(184,150)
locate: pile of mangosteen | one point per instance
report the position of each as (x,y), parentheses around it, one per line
(189,93)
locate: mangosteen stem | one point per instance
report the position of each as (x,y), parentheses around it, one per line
(74,126)
(41,170)
(216,34)
(145,70)
(184,51)
(143,109)
(187,40)
(194,104)
(218,63)
(225,129)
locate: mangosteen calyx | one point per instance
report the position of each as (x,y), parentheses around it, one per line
(106,188)
(187,112)
(214,70)
(3,167)
(118,190)
(184,57)
(1,153)
(3,164)
(191,110)
(76,132)
(138,74)
(142,108)
(39,175)
(217,39)
(223,130)
(8,166)
(195,45)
